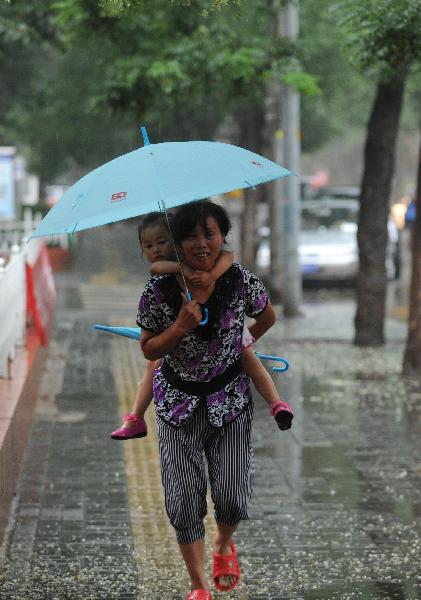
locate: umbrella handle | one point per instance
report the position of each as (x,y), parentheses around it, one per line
(206,317)
(275,358)
(205,310)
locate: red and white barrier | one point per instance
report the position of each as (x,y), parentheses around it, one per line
(40,292)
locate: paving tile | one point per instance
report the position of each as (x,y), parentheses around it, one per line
(337,500)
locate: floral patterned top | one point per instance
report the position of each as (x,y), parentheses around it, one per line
(208,350)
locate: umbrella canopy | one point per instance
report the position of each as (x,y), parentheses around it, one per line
(170,174)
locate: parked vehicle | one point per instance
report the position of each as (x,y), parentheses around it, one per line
(338,192)
(352,192)
(328,247)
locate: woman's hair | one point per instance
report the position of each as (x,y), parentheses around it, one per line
(151,220)
(192,214)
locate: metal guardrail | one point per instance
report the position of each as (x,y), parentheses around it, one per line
(15,253)
(12,307)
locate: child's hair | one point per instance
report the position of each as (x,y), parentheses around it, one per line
(150,220)
(192,214)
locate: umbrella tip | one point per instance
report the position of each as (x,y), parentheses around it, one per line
(145,136)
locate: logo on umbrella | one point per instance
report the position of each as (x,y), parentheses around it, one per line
(257,164)
(118,197)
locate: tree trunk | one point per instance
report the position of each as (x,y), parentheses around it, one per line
(412,355)
(250,120)
(374,211)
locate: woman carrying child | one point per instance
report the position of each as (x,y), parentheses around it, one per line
(202,392)
(156,244)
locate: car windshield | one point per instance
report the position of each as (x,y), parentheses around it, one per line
(328,217)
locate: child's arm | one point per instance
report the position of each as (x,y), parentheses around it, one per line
(164,267)
(262,380)
(223,263)
(205,279)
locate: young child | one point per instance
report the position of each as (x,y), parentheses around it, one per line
(157,246)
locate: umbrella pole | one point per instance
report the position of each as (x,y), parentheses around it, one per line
(164,210)
(146,142)
(188,295)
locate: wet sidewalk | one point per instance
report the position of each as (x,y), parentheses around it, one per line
(337,501)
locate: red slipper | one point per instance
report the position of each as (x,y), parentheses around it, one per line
(223,565)
(199,595)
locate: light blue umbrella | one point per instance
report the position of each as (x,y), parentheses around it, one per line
(167,174)
(131,332)
(157,176)
(134,334)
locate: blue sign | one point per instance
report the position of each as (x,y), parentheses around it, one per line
(309,268)
(7,184)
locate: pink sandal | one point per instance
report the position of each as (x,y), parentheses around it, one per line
(137,430)
(199,595)
(283,414)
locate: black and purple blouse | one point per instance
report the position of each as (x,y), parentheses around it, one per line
(205,352)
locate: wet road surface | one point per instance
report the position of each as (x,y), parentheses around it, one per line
(337,501)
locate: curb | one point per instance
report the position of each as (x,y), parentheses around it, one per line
(18,397)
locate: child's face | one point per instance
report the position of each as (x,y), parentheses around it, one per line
(156,243)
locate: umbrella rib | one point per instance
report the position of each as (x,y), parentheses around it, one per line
(250,185)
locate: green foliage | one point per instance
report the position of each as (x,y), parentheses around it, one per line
(23,29)
(344,99)
(59,124)
(303,83)
(170,59)
(25,22)
(384,34)
(120,7)
(179,66)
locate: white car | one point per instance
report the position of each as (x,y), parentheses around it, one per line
(328,247)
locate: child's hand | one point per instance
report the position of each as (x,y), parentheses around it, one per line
(188,271)
(201,279)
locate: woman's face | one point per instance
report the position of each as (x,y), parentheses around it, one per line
(203,245)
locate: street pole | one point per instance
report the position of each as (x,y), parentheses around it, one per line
(274,125)
(292,282)
(283,120)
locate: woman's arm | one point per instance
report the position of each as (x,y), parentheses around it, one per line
(263,322)
(156,346)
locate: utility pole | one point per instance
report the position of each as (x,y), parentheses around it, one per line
(291,197)
(283,116)
(275,134)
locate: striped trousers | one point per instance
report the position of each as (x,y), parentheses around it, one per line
(230,467)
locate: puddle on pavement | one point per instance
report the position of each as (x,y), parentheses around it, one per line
(369,462)
(377,590)
(351,497)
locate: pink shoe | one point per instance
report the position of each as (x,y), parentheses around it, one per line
(137,430)
(283,414)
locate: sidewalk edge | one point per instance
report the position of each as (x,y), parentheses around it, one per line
(17,402)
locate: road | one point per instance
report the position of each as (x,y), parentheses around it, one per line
(337,501)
